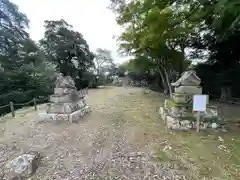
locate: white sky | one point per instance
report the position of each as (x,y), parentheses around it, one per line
(90,17)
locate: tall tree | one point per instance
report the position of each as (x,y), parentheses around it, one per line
(219,36)
(12,32)
(103,60)
(67,48)
(24,73)
(158,30)
(163,30)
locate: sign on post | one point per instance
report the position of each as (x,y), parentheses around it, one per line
(199,104)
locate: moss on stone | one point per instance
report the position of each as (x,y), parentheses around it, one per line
(179,94)
(171,103)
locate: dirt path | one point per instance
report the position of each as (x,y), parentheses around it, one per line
(113,142)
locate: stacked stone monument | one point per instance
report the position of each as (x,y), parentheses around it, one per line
(66,103)
(177,112)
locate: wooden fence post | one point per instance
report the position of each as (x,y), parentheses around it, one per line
(12,109)
(35,103)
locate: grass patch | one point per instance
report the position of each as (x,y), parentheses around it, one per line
(161,156)
(211,157)
(118,122)
(204,155)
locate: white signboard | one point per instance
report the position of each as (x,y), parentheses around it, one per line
(200,102)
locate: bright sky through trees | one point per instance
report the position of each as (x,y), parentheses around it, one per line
(91,18)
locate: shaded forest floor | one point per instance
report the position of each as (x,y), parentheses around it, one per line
(122,138)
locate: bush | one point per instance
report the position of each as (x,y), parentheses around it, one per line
(22,84)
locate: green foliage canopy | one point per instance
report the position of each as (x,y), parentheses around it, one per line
(66,47)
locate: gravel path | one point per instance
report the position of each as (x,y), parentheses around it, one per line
(109,143)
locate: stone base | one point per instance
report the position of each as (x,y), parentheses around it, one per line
(55,98)
(180,124)
(65,108)
(73,117)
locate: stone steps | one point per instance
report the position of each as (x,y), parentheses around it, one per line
(73,117)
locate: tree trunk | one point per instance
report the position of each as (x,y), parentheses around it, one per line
(226,93)
(165,87)
(167,80)
(181,67)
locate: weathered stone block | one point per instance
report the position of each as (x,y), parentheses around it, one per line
(81,103)
(58,117)
(177,124)
(161,110)
(22,167)
(211,112)
(82,93)
(170,122)
(75,116)
(166,104)
(180,98)
(53,117)
(64,98)
(203,126)
(189,89)
(65,107)
(185,124)
(65,82)
(162,113)
(175,111)
(63,91)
